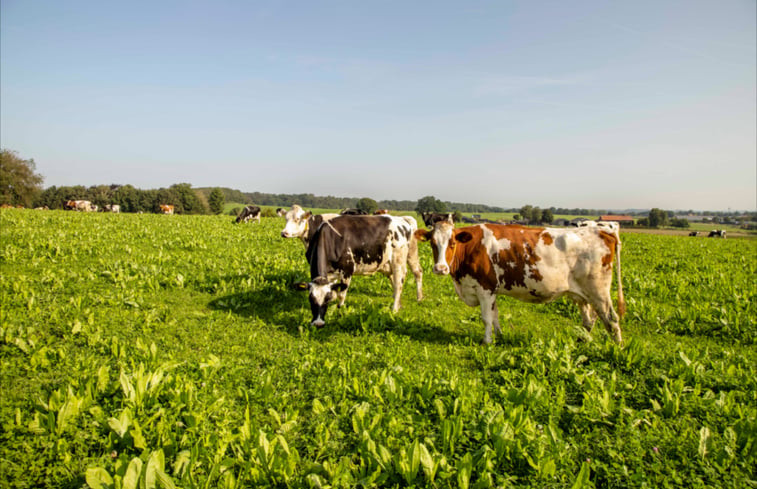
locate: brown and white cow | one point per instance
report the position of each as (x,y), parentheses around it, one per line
(380,212)
(531,264)
(166,208)
(79,205)
(359,245)
(303,224)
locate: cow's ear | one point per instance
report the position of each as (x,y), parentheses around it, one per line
(339,287)
(307,215)
(300,286)
(422,235)
(463,237)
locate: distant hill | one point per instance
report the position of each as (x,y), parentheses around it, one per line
(331,202)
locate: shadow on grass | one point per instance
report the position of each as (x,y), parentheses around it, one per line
(279,305)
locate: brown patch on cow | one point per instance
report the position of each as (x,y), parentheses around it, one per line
(547,238)
(521,254)
(470,258)
(610,241)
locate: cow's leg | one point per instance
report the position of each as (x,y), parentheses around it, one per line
(398,279)
(489,314)
(588,316)
(605,311)
(415,266)
(342,294)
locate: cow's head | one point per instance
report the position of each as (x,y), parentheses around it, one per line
(297,222)
(321,293)
(444,240)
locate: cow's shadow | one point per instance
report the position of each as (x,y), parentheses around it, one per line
(278,304)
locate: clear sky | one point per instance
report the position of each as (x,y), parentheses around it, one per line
(597,104)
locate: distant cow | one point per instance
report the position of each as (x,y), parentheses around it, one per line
(381,212)
(303,224)
(78,205)
(166,208)
(359,245)
(694,233)
(115,208)
(431,218)
(531,264)
(717,233)
(611,225)
(353,212)
(250,212)
(281,212)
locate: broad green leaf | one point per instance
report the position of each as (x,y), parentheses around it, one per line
(98,478)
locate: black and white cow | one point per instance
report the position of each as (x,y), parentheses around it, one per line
(353,212)
(360,245)
(431,218)
(717,233)
(249,213)
(303,224)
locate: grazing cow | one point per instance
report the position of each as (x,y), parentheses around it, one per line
(166,208)
(431,218)
(281,212)
(694,233)
(78,205)
(249,213)
(115,208)
(359,245)
(531,264)
(381,212)
(303,224)
(717,233)
(353,212)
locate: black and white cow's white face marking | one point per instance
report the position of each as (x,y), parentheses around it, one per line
(297,222)
(321,293)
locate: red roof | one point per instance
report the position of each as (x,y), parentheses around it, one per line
(616,218)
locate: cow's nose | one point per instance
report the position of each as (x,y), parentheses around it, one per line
(318,323)
(284,234)
(441,269)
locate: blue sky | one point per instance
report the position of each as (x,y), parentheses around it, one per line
(571,104)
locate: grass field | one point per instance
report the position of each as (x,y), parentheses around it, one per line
(141,351)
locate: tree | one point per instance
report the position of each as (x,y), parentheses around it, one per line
(547,216)
(657,217)
(367,205)
(430,204)
(19,185)
(216,201)
(527,212)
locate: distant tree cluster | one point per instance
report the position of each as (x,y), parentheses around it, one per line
(181,195)
(19,184)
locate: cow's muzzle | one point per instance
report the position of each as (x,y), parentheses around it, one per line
(441,269)
(318,323)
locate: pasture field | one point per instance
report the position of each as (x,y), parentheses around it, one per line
(151,351)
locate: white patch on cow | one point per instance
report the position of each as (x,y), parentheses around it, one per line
(320,293)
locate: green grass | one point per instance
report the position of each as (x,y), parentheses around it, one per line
(152,351)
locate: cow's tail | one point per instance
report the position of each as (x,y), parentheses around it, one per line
(621,299)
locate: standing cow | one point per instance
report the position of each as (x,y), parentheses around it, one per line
(531,264)
(359,245)
(717,233)
(249,213)
(303,224)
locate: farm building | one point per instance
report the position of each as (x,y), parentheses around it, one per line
(622,220)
